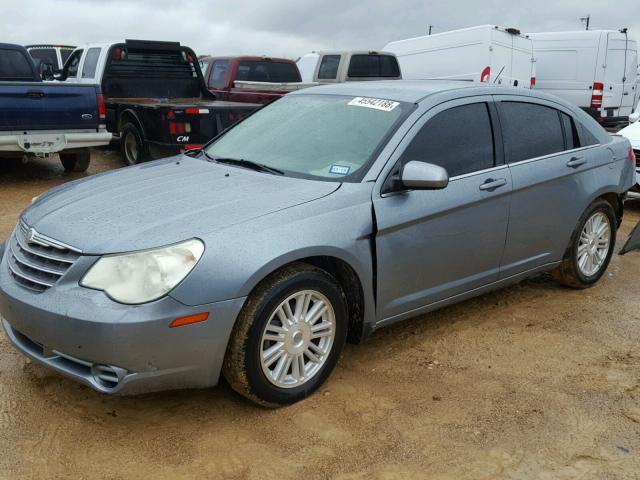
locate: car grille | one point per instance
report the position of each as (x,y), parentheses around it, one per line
(37,262)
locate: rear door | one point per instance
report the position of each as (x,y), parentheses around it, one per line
(522,61)
(554,171)
(434,244)
(621,62)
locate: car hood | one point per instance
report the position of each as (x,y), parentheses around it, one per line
(632,132)
(163,202)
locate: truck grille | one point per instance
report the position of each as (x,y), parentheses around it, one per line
(36,261)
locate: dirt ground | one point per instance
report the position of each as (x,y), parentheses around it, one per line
(531,382)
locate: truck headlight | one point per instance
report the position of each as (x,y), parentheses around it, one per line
(144,276)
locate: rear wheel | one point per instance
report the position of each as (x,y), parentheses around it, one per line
(591,247)
(75,161)
(288,337)
(132,147)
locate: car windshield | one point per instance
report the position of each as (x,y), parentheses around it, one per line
(314,136)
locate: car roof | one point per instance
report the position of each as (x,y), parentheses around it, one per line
(413,91)
(12,46)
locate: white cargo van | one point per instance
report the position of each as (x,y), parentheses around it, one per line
(337,67)
(595,69)
(486,53)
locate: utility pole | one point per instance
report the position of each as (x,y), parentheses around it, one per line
(586,21)
(430,28)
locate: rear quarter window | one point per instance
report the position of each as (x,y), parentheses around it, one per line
(530,130)
(90,63)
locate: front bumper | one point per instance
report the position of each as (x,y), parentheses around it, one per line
(115,348)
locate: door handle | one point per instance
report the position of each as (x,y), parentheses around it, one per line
(492,184)
(575,162)
(35,94)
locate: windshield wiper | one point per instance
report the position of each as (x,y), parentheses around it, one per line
(259,167)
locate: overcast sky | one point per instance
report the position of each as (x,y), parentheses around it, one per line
(291,28)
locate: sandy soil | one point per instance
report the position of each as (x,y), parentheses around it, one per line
(535,381)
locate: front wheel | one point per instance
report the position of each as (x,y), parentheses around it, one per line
(591,247)
(288,337)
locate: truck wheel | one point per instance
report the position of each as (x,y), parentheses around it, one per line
(131,145)
(76,161)
(591,247)
(288,336)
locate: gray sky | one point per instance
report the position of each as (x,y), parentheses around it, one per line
(291,28)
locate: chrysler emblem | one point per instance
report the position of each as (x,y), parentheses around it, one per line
(31,235)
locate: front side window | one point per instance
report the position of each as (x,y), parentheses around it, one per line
(459,139)
(90,63)
(14,66)
(530,130)
(71,67)
(329,67)
(218,77)
(314,136)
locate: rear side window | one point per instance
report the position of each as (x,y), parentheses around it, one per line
(447,140)
(530,130)
(45,55)
(14,66)
(373,66)
(218,77)
(329,67)
(90,63)
(268,71)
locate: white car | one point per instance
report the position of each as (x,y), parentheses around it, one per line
(632,132)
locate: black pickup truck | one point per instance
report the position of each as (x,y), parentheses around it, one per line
(155,96)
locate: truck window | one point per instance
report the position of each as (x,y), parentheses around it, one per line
(447,140)
(90,63)
(65,53)
(218,77)
(530,130)
(14,66)
(373,66)
(71,67)
(329,67)
(44,55)
(268,71)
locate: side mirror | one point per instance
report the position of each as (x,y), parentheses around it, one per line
(423,176)
(634,117)
(46,71)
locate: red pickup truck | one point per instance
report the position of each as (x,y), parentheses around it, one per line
(252,79)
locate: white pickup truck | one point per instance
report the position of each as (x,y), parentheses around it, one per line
(338,67)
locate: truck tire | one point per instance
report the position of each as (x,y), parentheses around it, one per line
(132,146)
(75,161)
(288,336)
(590,249)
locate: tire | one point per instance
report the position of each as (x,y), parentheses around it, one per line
(244,367)
(76,161)
(571,272)
(132,147)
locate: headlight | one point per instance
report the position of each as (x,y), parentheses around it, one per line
(144,276)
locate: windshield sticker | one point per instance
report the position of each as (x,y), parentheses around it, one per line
(339,169)
(375,103)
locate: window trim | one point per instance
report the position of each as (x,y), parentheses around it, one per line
(551,155)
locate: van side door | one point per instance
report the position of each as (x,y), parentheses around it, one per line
(555,170)
(434,244)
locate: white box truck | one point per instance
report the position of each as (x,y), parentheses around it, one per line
(594,69)
(487,53)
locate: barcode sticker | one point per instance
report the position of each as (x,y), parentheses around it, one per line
(375,103)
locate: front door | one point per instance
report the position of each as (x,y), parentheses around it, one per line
(435,244)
